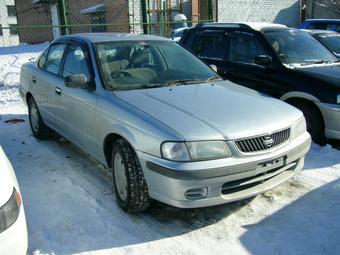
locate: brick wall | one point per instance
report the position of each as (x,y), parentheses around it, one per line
(27,15)
(279,11)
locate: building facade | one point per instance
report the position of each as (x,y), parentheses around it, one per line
(137,16)
(8,23)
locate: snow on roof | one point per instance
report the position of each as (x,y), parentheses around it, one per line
(258,26)
(93,9)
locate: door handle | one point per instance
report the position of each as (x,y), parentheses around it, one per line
(34,79)
(58,91)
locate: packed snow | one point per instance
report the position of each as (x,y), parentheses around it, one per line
(70,207)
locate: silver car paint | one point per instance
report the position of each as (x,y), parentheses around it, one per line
(146,118)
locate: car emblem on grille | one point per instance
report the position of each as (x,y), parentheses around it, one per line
(268,141)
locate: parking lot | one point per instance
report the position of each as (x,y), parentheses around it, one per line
(70,206)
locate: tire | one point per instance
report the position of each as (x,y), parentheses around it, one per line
(38,127)
(128,180)
(314,121)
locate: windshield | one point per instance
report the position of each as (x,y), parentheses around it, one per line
(298,47)
(331,41)
(145,64)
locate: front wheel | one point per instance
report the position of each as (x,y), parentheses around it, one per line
(128,179)
(38,127)
(314,121)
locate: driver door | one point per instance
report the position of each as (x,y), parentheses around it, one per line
(75,107)
(241,68)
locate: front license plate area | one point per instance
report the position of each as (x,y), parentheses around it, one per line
(271,164)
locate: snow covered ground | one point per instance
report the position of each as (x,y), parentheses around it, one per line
(70,207)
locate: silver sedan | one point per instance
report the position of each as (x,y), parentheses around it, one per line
(164,122)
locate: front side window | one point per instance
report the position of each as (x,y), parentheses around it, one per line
(75,62)
(244,48)
(54,58)
(145,64)
(212,46)
(337,28)
(297,47)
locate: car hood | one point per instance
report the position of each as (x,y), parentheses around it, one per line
(213,111)
(327,73)
(7,179)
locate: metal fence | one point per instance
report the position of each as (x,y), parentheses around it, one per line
(38,21)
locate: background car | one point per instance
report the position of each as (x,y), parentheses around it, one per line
(167,125)
(178,33)
(329,39)
(283,62)
(321,24)
(13,229)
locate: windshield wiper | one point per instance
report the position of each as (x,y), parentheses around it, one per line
(315,62)
(183,81)
(212,78)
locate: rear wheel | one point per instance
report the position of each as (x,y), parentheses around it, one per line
(128,179)
(314,121)
(38,127)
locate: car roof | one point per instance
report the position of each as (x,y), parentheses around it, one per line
(257,26)
(109,37)
(318,31)
(323,20)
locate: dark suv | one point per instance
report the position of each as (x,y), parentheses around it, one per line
(277,60)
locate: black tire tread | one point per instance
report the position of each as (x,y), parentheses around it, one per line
(318,133)
(138,195)
(44,131)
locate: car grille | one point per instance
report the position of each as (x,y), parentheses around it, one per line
(264,142)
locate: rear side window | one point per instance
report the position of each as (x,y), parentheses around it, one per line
(75,62)
(212,46)
(244,48)
(54,58)
(321,26)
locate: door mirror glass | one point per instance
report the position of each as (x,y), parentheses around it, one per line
(213,67)
(76,81)
(263,60)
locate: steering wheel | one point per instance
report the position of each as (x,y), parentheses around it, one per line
(120,74)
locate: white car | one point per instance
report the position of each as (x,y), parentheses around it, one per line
(13,229)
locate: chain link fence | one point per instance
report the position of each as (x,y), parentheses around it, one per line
(38,21)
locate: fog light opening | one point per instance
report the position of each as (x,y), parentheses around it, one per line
(198,193)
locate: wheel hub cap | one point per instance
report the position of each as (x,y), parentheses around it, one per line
(34,117)
(120,177)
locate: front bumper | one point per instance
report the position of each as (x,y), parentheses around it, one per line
(225,180)
(14,239)
(331,116)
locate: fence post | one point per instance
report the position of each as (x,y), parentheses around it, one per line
(64,16)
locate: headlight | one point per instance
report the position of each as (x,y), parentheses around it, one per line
(195,151)
(298,128)
(338,99)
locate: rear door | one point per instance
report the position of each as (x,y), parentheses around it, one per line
(243,48)
(46,79)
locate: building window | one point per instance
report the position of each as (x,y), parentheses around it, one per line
(13,29)
(1,30)
(11,11)
(98,18)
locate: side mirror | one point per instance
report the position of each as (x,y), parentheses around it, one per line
(77,81)
(213,67)
(263,60)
